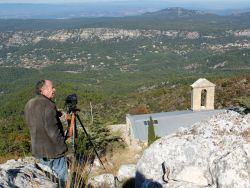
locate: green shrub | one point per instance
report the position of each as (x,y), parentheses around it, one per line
(151,132)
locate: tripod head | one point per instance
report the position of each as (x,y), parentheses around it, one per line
(71,102)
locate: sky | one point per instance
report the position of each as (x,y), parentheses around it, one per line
(84,1)
(203,4)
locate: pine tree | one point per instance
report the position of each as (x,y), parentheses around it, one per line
(151,131)
(99,135)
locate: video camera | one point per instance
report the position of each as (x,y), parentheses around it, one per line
(70,102)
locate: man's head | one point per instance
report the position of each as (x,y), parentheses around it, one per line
(45,88)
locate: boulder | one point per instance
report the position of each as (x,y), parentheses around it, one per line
(212,153)
(126,172)
(25,173)
(103,180)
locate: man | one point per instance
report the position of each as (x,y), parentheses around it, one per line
(47,137)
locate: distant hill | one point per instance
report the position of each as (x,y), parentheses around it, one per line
(73,10)
(175,12)
(243,15)
(170,18)
(227,12)
(109,9)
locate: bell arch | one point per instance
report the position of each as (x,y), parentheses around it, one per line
(202,95)
(204,98)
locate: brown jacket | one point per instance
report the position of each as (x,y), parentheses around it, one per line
(47,138)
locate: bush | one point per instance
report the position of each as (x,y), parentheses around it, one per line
(151,132)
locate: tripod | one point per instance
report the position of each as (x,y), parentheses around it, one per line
(71,117)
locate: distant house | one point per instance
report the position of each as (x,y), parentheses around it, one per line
(202,107)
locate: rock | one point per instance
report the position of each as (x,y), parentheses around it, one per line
(212,153)
(194,175)
(96,162)
(247,117)
(137,156)
(103,180)
(232,169)
(126,172)
(122,130)
(24,173)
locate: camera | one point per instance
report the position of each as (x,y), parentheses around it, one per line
(70,102)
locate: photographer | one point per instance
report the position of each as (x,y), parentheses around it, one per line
(47,137)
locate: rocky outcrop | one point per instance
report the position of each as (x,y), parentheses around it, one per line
(243,33)
(125,175)
(103,180)
(23,38)
(212,153)
(9,39)
(126,172)
(25,173)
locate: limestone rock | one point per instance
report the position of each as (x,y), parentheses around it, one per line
(126,172)
(24,173)
(103,180)
(212,153)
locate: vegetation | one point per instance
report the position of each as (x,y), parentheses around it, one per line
(119,75)
(244,101)
(109,108)
(151,131)
(99,138)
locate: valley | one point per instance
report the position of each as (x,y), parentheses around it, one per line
(137,64)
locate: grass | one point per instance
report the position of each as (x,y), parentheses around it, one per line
(5,158)
(78,173)
(113,162)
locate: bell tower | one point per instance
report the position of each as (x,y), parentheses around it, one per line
(202,97)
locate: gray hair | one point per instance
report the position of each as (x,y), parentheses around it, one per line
(39,86)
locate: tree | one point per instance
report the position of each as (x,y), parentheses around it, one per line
(99,135)
(151,131)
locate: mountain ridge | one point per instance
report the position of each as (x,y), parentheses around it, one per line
(115,9)
(176,12)
(164,19)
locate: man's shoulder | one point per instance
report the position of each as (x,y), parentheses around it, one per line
(39,99)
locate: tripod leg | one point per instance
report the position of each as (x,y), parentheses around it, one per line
(74,135)
(72,124)
(77,116)
(71,131)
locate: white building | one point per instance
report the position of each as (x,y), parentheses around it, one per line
(202,107)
